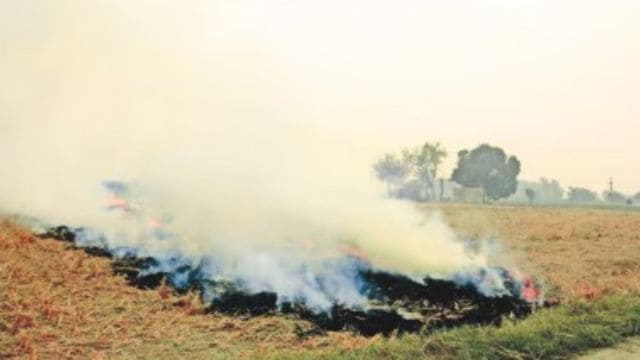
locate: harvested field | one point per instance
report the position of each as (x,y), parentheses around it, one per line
(578,251)
(62,303)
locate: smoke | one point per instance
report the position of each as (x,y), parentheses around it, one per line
(211,134)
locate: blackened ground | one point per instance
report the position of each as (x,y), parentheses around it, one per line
(433,304)
(61,233)
(398,303)
(133,269)
(240,303)
(443,302)
(368,323)
(96,251)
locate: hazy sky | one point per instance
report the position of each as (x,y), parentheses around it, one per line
(556,83)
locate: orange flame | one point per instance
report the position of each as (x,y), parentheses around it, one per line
(154,223)
(116,202)
(529,291)
(355,251)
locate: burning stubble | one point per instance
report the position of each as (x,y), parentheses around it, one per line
(201,132)
(272,213)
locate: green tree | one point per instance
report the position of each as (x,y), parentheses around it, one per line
(488,167)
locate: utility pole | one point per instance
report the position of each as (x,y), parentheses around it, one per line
(610,185)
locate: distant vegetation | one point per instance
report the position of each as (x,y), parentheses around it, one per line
(615,197)
(581,195)
(544,191)
(483,174)
(412,173)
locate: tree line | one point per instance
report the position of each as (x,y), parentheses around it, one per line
(414,172)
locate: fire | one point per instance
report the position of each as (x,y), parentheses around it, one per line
(117,203)
(355,251)
(335,290)
(530,292)
(154,223)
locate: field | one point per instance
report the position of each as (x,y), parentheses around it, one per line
(61,303)
(571,248)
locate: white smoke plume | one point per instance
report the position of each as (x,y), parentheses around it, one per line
(211,132)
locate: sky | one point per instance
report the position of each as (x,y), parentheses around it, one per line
(556,83)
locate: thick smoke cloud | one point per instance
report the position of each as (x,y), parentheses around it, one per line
(211,133)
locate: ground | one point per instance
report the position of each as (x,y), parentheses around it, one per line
(61,303)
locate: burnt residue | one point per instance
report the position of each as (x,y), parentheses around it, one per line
(134,271)
(60,233)
(70,235)
(443,302)
(96,251)
(243,303)
(398,304)
(364,322)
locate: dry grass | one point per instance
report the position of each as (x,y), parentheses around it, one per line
(579,252)
(56,303)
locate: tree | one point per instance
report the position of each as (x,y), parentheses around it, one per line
(391,170)
(424,162)
(432,155)
(412,174)
(636,198)
(420,185)
(582,195)
(489,168)
(531,195)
